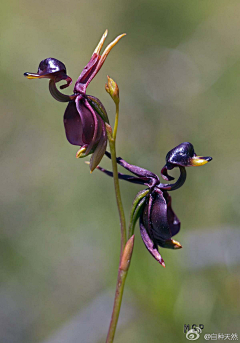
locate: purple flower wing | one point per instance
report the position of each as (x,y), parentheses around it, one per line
(73,125)
(159,218)
(151,247)
(173,221)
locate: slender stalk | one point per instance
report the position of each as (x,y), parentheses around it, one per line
(112,145)
(118,196)
(122,274)
(116,122)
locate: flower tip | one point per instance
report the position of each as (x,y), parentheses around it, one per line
(31,76)
(200,160)
(80,152)
(177,245)
(163,264)
(101,42)
(109,48)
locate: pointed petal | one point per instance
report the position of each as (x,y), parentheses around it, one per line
(100,44)
(103,57)
(108,49)
(92,129)
(149,244)
(98,153)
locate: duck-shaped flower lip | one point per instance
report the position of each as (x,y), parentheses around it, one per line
(85,115)
(182,155)
(55,71)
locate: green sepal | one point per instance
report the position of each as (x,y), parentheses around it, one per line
(98,107)
(136,210)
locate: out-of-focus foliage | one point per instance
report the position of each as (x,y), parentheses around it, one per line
(178,73)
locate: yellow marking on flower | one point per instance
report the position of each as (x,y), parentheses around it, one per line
(198,161)
(80,152)
(32,76)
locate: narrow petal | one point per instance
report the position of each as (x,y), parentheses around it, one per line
(90,131)
(98,152)
(100,44)
(121,176)
(149,244)
(104,56)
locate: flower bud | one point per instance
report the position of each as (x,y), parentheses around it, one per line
(112,89)
(127,254)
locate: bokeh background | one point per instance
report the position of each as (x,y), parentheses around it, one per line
(178,73)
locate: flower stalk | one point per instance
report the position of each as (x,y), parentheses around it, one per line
(126,247)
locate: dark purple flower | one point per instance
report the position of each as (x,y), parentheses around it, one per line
(158,223)
(85,116)
(157,220)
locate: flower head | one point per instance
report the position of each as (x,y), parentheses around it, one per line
(158,223)
(182,155)
(153,206)
(85,116)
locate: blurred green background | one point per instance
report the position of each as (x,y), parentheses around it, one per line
(178,73)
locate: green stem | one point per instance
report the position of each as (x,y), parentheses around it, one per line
(121,273)
(116,122)
(112,145)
